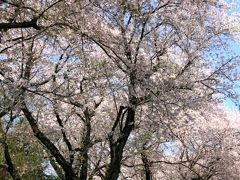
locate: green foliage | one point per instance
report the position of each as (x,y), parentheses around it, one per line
(26,153)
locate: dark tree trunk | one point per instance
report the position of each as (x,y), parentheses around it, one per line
(117,146)
(85,145)
(66,166)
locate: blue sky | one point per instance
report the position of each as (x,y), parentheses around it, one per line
(235,47)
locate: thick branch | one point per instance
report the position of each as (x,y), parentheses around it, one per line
(65,139)
(66,166)
(16,25)
(147,165)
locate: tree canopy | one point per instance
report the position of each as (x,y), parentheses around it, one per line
(118,89)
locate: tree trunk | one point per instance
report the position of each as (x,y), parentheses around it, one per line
(66,166)
(117,146)
(85,146)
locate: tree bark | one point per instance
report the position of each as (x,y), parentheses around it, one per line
(16,25)
(66,166)
(85,145)
(117,146)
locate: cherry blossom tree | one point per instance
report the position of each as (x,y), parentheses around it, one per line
(106,85)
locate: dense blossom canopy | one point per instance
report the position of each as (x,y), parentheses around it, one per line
(106,89)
